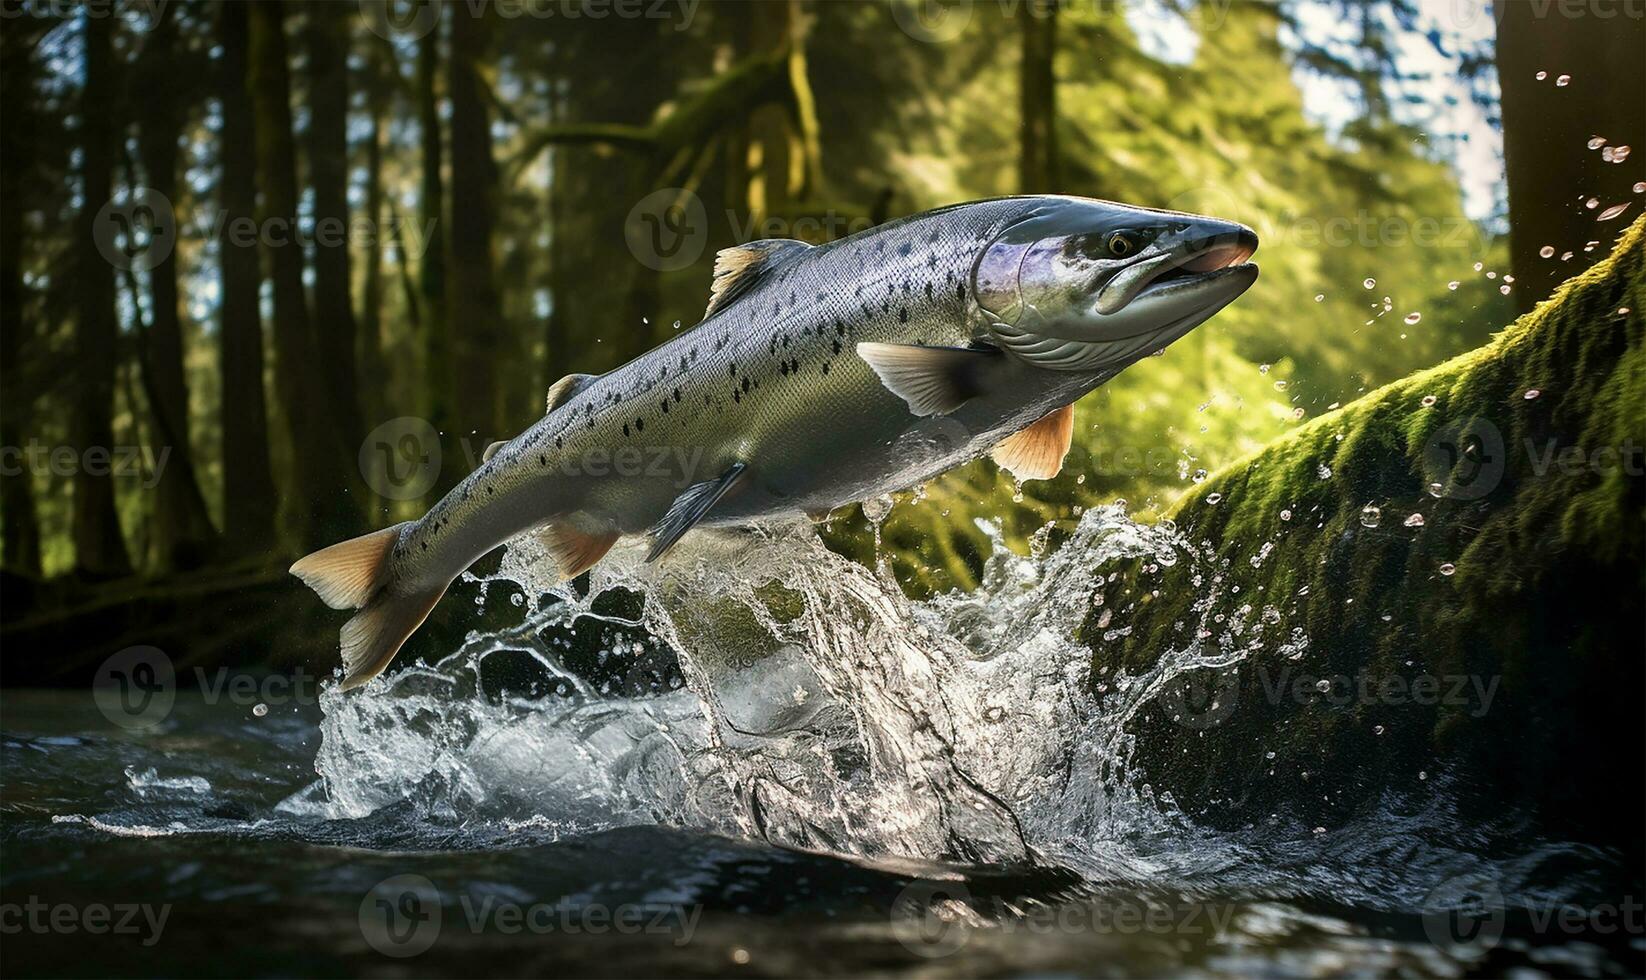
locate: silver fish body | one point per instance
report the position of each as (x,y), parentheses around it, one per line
(770,406)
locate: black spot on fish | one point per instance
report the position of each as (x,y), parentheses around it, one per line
(424,545)
(625,430)
(783,369)
(542,460)
(820,297)
(928,290)
(825,367)
(557,442)
(665,406)
(903,315)
(745,383)
(905,248)
(734,369)
(677,396)
(640,425)
(490,490)
(839,329)
(960,292)
(737,396)
(837,346)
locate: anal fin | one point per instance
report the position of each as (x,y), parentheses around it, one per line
(689,508)
(574,549)
(1036,453)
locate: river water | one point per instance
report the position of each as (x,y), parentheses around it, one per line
(759,758)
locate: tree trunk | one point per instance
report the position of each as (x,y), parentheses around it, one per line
(328,153)
(473,301)
(373,371)
(1546,126)
(19,524)
(1037,98)
(99,547)
(324,510)
(183,533)
(439,373)
(248,480)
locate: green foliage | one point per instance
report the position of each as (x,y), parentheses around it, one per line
(1225,135)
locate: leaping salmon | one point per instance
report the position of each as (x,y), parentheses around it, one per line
(818,376)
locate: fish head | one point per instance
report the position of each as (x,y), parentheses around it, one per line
(1078,283)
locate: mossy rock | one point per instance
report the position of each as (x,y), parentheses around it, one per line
(1522,582)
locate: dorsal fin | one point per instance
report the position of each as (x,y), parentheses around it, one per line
(739,267)
(561,391)
(492,449)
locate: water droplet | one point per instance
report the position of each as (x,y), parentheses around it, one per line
(1320,297)
(1369,283)
(1592,203)
(1416,520)
(1447,568)
(1504,289)
(260,709)
(1268,755)
(1263,369)
(1596,142)
(1323,685)
(1214,499)
(1280,385)
(1199,476)
(1532,393)
(1542,75)
(1436,489)
(1285,515)
(1298,413)
(1377,729)
(1421,774)
(994,714)
(1428,401)
(1323,471)
(1640,187)
(1565,256)
(1612,212)
(1479,266)
(1453,285)
(1547,251)
(876,508)
(1623,311)
(1371,515)
(1413,317)
(1563,81)
(1491,275)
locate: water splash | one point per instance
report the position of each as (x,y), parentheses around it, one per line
(815,705)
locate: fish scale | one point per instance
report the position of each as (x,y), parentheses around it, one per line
(821,376)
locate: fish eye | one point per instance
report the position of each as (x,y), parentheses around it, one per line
(1121,244)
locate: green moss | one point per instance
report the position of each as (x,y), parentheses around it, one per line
(1525,578)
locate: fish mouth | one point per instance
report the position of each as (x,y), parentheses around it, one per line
(1201,262)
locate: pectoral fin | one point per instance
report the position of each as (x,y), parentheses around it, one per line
(932,380)
(689,508)
(1036,453)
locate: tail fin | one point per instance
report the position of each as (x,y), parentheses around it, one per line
(351,575)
